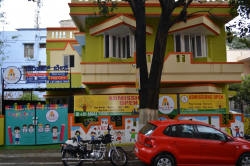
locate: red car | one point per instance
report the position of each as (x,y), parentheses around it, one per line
(189,143)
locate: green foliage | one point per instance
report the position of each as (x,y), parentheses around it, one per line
(3,42)
(240,8)
(242,89)
(27,96)
(104,9)
(235,42)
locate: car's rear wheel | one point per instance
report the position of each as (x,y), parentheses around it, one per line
(164,160)
(244,160)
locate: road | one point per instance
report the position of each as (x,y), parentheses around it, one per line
(33,161)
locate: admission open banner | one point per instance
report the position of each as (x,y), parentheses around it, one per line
(112,105)
(202,104)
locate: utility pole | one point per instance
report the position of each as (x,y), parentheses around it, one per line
(37,20)
(37,17)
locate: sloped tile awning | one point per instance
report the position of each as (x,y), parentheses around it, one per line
(197,24)
(117,25)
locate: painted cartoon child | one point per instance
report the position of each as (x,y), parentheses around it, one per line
(17,134)
(31,128)
(237,130)
(40,129)
(55,132)
(119,136)
(47,129)
(25,130)
(93,135)
(78,133)
(133,134)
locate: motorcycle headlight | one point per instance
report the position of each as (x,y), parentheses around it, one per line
(112,138)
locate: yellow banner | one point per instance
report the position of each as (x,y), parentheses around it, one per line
(202,103)
(106,103)
(119,104)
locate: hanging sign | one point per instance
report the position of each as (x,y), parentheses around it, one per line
(12,75)
(103,105)
(137,79)
(202,104)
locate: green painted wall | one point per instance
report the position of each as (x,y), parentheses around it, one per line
(55,45)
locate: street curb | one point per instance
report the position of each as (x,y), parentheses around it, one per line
(130,155)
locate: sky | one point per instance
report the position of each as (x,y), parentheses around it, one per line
(21,13)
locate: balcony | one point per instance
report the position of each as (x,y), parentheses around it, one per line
(178,68)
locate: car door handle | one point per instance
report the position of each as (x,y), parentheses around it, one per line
(205,145)
(175,143)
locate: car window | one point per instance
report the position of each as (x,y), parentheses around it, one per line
(210,133)
(183,131)
(166,131)
(148,129)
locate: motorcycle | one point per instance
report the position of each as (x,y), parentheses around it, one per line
(75,152)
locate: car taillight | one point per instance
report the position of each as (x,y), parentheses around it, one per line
(149,141)
(61,145)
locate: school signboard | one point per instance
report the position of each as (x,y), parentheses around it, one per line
(202,104)
(111,105)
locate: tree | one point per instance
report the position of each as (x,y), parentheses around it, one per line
(235,42)
(27,96)
(243,94)
(242,9)
(150,85)
(4,41)
(84,103)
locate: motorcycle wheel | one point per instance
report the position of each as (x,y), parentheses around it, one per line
(118,161)
(70,162)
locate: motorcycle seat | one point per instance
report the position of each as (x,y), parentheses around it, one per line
(85,141)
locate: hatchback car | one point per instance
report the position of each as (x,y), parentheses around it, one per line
(189,143)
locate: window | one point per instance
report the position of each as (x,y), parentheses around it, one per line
(42,45)
(195,43)
(210,133)
(63,34)
(69,60)
(25,72)
(148,129)
(29,50)
(119,46)
(183,131)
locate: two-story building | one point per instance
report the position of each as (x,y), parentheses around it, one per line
(103,59)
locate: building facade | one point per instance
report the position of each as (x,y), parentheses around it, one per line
(103,56)
(28,49)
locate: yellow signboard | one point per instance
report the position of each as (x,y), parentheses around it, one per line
(102,105)
(202,104)
(137,79)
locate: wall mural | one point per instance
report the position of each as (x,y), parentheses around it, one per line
(127,132)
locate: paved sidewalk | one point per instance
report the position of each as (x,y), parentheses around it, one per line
(53,153)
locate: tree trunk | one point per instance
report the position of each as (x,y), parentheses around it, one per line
(146,115)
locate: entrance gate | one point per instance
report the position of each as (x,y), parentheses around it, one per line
(36,124)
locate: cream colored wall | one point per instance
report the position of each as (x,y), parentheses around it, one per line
(119,90)
(196,89)
(246,67)
(56,57)
(195,21)
(234,55)
(110,23)
(173,71)
(67,34)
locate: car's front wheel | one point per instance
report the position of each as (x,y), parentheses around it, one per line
(244,160)
(164,160)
